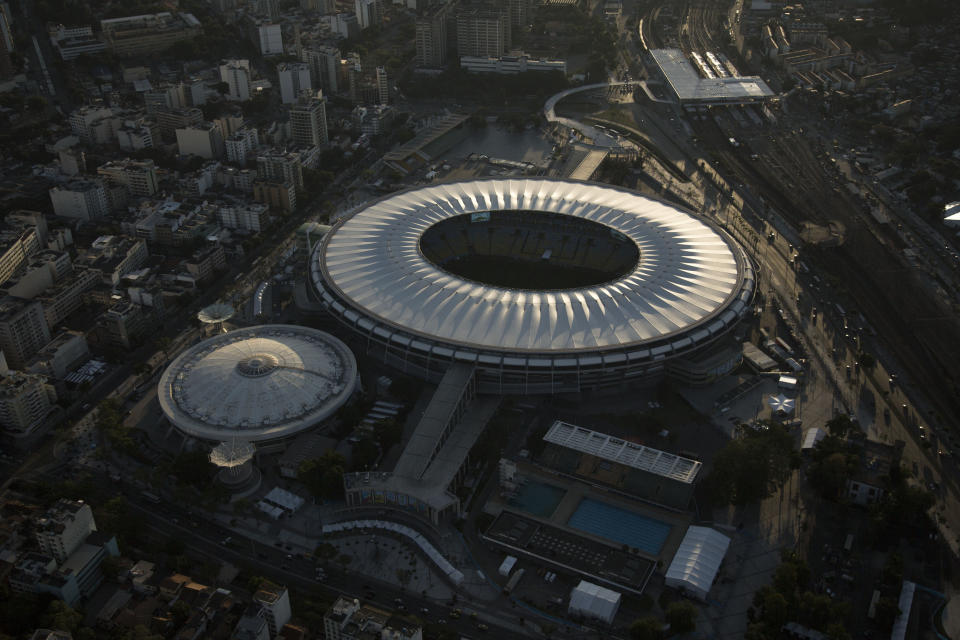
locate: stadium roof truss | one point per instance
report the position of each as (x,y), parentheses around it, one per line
(621,451)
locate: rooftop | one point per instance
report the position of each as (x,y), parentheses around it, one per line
(623,452)
(259,383)
(690,86)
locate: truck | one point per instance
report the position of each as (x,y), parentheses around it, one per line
(513,581)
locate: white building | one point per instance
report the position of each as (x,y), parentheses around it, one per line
(139,177)
(593,601)
(249,217)
(343,25)
(276,603)
(64,527)
(369,12)
(204,140)
(308,121)
(67,350)
(84,124)
(236,73)
(510,64)
(23,330)
(383,86)
(133,136)
(25,400)
(294,78)
(270,39)
(324,64)
(72,42)
(241,144)
(83,199)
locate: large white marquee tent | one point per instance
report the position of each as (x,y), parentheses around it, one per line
(697,561)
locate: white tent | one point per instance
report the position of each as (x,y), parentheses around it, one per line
(284,499)
(781,403)
(812,437)
(593,601)
(697,561)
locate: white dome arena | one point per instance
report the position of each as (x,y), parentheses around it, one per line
(257,384)
(545,285)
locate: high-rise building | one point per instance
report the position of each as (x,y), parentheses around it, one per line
(170,121)
(80,198)
(279,196)
(23,330)
(345,25)
(294,78)
(324,64)
(276,602)
(270,39)
(521,12)
(166,98)
(64,527)
(83,119)
(383,86)
(249,216)
(204,140)
(483,32)
(25,400)
(431,38)
(241,144)
(22,235)
(281,167)
(308,121)
(369,12)
(138,176)
(323,6)
(236,73)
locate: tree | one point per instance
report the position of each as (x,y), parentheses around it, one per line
(682,617)
(60,617)
(752,466)
(323,476)
(842,425)
(403,576)
(326,551)
(834,463)
(180,611)
(648,628)
(887,611)
(365,454)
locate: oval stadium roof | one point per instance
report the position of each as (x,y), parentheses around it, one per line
(687,274)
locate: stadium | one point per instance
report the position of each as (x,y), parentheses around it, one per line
(543,285)
(260,384)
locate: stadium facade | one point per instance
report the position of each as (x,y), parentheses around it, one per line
(542,285)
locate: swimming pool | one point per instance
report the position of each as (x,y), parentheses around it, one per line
(537,498)
(620,525)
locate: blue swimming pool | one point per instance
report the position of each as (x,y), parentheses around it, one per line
(620,525)
(537,498)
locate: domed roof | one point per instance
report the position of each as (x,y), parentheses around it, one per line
(258,383)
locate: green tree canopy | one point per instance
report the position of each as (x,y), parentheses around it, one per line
(323,476)
(681,616)
(648,628)
(753,465)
